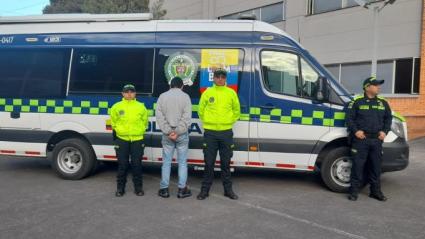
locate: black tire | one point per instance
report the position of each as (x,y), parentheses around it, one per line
(73,159)
(334,169)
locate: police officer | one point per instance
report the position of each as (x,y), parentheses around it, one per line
(219,109)
(369,121)
(129,119)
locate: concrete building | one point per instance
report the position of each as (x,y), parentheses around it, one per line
(339,33)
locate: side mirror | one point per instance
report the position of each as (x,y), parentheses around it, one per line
(322,93)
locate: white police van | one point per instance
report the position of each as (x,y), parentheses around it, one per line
(60,74)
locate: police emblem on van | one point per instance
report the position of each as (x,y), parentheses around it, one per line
(183,65)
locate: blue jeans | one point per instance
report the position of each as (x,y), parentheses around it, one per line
(168,146)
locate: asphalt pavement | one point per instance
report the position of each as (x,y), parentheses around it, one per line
(35,203)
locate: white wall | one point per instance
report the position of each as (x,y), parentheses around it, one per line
(347,35)
(335,37)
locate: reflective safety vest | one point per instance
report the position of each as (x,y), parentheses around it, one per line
(219,108)
(129,119)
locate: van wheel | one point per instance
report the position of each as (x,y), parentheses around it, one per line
(73,159)
(336,169)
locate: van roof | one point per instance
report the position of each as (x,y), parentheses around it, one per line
(89,23)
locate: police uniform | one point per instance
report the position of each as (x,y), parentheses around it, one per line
(219,109)
(129,120)
(371,115)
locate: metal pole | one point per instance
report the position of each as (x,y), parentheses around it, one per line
(376,11)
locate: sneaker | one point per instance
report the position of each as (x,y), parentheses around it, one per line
(163,192)
(230,194)
(202,195)
(378,196)
(184,193)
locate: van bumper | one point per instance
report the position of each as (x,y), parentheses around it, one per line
(395,155)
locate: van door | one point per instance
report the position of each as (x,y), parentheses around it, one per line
(196,66)
(289,122)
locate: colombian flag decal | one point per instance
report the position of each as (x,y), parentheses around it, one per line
(212,59)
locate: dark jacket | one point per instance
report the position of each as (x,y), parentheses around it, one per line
(370,115)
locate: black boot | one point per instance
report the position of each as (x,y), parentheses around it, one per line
(353,193)
(378,195)
(353,196)
(119,193)
(230,194)
(184,193)
(202,195)
(163,192)
(139,192)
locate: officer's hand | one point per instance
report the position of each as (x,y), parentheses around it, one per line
(382,135)
(360,134)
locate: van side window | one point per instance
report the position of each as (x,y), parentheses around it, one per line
(106,70)
(196,67)
(309,80)
(280,72)
(38,73)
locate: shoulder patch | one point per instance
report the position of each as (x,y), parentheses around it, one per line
(381,98)
(358,97)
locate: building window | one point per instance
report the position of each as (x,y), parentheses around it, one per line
(416,75)
(320,6)
(352,75)
(270,13)
(334,70)
(401,75)
(38,73)
(385,70)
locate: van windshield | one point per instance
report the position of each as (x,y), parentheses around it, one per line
(339,89)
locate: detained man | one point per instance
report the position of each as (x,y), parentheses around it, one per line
(173,116)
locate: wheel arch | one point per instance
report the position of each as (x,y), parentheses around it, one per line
(326,148)
(62,135)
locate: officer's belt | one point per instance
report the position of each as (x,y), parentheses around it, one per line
(371,135)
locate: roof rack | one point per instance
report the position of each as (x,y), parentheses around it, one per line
(58,18)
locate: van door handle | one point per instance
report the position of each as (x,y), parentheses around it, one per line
(15,115)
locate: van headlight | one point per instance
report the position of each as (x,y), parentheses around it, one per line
(397,127)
